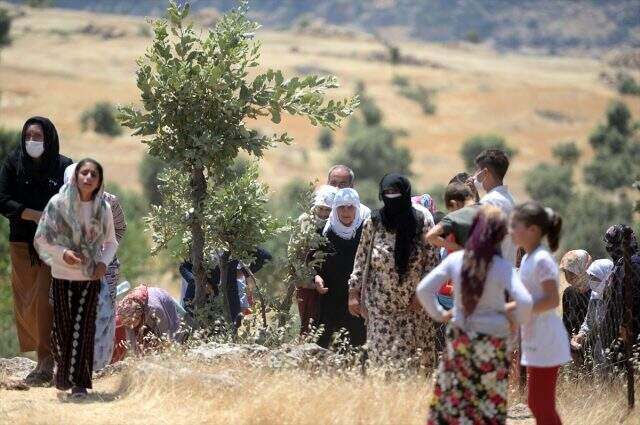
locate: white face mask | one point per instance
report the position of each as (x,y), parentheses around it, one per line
(392,195)
(478,184)
(34,149)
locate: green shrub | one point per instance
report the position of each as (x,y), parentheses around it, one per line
(551,185)
(102,119)
(372,152)
(9,139)
(475,145)
(423,96)
(473,37)
(325,140)
(567,153)
(616,147)
(401,81)
(148,171)
(587,217)
(627,84)
(5,28)
(39,4)
(134,251)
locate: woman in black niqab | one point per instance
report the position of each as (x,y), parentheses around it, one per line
(398,215)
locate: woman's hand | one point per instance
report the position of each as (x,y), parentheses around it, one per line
(72,258)
(100,271)
(576,341)
(31,215)
(447,315)
(355,309)
(319,284)
(509,310)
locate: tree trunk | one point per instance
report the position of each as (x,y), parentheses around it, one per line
(285,306)
(223,261)
(198,195)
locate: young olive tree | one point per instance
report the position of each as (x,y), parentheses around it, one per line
(198,95)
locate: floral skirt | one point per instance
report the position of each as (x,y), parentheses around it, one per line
(472,380)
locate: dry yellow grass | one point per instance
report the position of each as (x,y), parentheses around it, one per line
(179,391)
(54,69)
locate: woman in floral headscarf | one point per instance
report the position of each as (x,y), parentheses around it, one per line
(575,298)
(76,238)
(146,316)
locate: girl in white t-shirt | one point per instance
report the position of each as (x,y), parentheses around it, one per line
(545,343)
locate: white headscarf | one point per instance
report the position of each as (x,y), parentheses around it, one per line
(343,198)
(598,273)
(69,173)
(325,195)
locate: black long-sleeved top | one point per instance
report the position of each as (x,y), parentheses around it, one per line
(574,309)
(333,310)
(18,191)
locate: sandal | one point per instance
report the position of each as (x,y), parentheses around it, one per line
(79,394)
(38,378)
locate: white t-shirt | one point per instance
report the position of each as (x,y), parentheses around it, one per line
(489,317)
(545,342)
(501,197)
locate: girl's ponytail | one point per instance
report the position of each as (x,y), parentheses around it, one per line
(554,229)
(534,214)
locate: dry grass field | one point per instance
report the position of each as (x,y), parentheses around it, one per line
(176,390)
(61,63)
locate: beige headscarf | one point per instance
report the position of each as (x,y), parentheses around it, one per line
(577,262)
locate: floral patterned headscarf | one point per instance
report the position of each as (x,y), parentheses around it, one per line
(62,225)
(613,239)
(426,201)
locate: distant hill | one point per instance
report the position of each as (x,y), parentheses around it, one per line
(552,25)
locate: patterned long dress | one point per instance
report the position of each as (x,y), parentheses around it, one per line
(396,335)
(106,312)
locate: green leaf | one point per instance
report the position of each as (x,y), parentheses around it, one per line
(275,116)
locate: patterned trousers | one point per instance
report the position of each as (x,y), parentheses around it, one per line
(74,326)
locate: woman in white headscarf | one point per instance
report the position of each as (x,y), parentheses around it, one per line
(106,313)
(343,230)
(591,330)
(312,221)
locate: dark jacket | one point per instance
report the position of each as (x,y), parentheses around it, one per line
(25,184)
(333,311)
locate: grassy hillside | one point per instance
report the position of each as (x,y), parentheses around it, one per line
(62,62)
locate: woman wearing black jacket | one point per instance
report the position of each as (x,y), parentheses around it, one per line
(30,176)
(343,231)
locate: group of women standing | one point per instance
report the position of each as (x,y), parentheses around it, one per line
(366,285)
(381,263)
(65,231)
(593,304)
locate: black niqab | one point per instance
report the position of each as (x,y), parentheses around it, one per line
(398,215)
